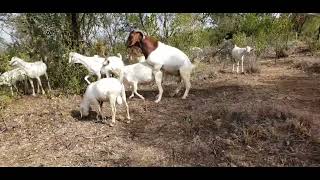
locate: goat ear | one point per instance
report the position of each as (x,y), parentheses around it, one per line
(141,33)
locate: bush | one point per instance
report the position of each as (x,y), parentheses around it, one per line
(252,65)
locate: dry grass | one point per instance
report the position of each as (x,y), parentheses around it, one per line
(265,119)
(309,66)
(252,66)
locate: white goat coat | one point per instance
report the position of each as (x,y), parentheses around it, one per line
(112,64)
(32,69)
(100,91)
(92,64)
(171,58)
(138,72)
(239,53)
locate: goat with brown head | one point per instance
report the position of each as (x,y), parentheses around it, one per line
(162,57)
(135,38)
(138,39)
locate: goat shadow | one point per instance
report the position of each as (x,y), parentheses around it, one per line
(91,117)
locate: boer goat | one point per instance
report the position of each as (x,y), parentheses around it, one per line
(163,57)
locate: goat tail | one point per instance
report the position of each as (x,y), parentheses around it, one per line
(119,55)
(119,100)
(122,95)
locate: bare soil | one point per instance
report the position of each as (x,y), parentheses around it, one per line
(267,119)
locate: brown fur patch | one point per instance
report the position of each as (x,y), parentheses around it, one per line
(147,45)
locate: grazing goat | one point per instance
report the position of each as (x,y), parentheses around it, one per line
(92,64)
(163,57)
(112,64)
(10,78)
(239,54)
(99,92)
(33,70)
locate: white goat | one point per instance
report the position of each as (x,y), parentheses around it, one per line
(10,78)
(239,54)
(134,74)
(33,70)
(92,64)
(163,57)
(112,64)
(99,92)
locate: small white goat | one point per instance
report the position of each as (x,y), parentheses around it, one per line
(112,64)
(134,74)
(93,64)
(239,54)
(33,70)
(10,78)
(99,92)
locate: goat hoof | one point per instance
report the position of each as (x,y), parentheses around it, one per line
(128,121)
(111,124)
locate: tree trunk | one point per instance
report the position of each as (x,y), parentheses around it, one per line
(75,30)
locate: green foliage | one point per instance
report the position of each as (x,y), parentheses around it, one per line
(261,42)
(240,39)
(4,62)
(5,99)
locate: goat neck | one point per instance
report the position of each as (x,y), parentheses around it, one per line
(148,45)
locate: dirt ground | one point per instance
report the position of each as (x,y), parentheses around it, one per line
(267,119)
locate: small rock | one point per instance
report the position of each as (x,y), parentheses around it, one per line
(223,164)
(218,123)
(233,165)
(228,141)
